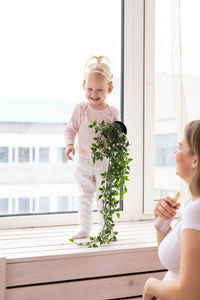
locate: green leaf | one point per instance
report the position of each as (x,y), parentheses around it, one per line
(95,245)
(71,240)
(118,215)
(95,122)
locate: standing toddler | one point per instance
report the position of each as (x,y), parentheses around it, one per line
(97,85)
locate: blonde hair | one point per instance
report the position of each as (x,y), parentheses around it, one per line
(192,135)
(99,67)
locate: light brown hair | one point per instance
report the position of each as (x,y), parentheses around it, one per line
(192,135)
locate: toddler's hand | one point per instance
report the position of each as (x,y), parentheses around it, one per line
(69,149)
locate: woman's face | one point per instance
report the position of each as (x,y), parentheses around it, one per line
(185,161)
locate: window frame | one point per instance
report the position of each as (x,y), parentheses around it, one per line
(149,109)
(132,91)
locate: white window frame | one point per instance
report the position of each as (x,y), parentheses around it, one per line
(149,109)
(133,118)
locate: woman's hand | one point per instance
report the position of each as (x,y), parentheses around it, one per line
(69,149)
(166,208)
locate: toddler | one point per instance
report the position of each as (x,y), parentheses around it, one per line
(97,85)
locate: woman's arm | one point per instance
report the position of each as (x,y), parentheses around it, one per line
(161,235)
(188,287)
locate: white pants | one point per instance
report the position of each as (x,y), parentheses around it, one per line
(89,180)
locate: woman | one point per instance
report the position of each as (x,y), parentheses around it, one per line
(179,248)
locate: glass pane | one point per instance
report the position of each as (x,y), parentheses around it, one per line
(166,139)
(41,74)
(175,57)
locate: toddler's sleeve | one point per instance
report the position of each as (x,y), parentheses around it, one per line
(72,126)
(191,216)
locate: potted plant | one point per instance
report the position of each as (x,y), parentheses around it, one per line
(110,142)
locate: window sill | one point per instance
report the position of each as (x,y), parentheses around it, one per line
(41,257)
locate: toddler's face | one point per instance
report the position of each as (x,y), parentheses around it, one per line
(96,89)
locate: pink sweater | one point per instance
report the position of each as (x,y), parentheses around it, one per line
(84,115)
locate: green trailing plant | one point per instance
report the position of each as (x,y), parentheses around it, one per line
(111,143)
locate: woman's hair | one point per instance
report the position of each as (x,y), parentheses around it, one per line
(95,65)
(192,135)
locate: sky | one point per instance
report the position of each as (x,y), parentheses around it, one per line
(165,35)
(45,44)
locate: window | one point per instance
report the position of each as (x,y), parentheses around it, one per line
(165,145)
(23,154)
(44,154)
(61,155)
(13,154)
(41,82)
(3,154)
(44,204)
(23,205)
(172,79)
(63,203)
(33,154)
(3,206)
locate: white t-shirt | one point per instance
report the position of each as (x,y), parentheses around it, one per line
(170,248)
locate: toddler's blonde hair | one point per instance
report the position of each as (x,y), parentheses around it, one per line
(98,66)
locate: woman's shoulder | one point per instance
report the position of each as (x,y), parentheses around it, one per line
(191,215)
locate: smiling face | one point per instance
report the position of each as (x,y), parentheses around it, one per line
(186,161)
(96,89)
